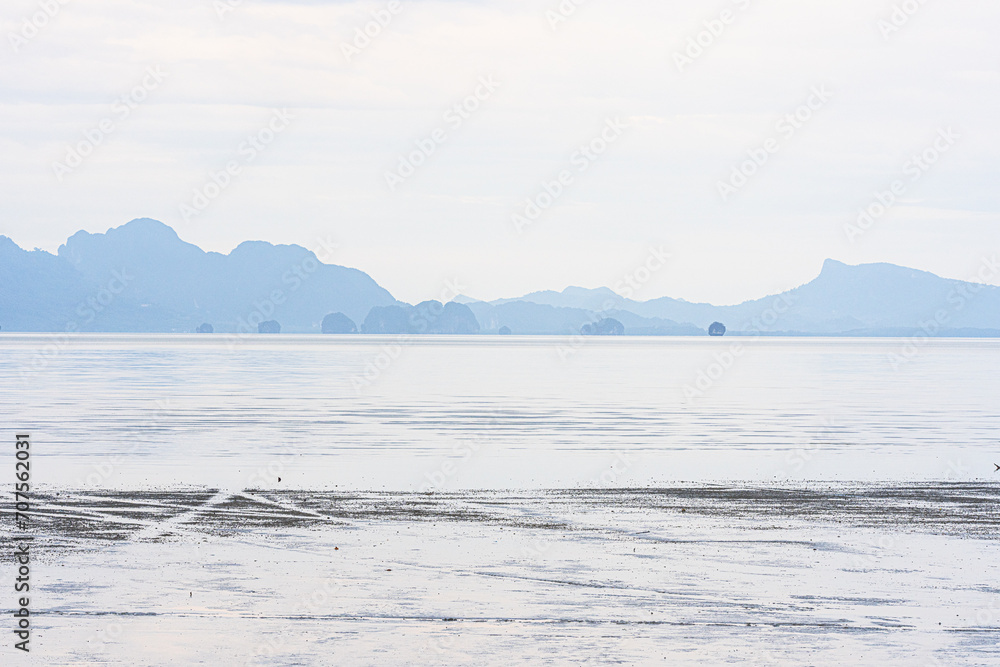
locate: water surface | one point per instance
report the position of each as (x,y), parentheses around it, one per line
(446,412)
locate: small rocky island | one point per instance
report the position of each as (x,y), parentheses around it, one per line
(338,323)
(608,326)
(269,327)
(427,317)
(717,329)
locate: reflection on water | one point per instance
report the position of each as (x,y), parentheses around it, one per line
(470,412)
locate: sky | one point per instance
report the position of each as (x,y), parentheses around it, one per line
(516,145)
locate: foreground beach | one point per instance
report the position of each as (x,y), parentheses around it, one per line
(693,574)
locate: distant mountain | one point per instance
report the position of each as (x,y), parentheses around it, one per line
(527,317)
(865,300)
(595,300)
(37,290)
(427,317)
(142,277)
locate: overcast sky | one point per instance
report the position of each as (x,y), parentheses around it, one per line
(117,109)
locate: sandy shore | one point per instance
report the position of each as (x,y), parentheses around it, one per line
(739,574)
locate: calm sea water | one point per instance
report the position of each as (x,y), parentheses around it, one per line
(118,411)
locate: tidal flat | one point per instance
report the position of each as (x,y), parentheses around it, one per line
(803,573)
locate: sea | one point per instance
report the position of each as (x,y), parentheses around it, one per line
(440,413)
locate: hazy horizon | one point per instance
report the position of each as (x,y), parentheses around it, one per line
(631,288)
(312,117)
(245,437)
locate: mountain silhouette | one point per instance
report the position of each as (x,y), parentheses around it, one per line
(141,277)
(865,300)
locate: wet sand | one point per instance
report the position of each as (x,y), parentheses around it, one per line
(694,574)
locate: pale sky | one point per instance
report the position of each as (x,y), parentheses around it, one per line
(161,95)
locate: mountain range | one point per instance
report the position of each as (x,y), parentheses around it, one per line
(141,277)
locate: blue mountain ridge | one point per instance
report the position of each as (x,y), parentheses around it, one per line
(141,277)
